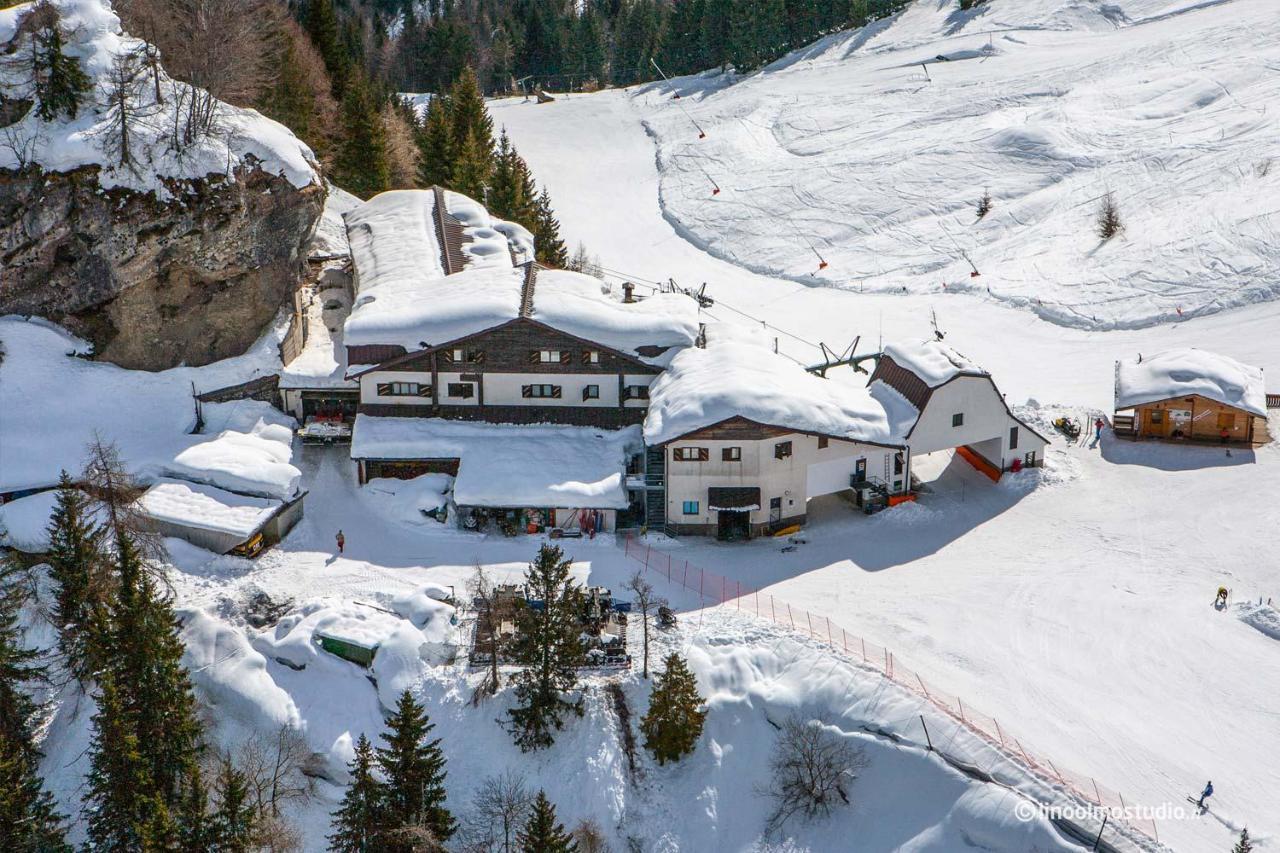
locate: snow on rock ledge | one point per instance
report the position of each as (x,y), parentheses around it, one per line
(180,258)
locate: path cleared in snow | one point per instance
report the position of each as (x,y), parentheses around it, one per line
(1077,613)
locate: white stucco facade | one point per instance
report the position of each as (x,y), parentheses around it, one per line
(986,426)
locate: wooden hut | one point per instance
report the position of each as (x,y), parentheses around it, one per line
(1190,395)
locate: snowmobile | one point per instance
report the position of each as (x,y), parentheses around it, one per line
(1070,427)
(666,617)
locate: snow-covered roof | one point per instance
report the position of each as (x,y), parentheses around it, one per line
(95,38)
(256,463)
(735,376)
(207,507)
(24,522)
(406,298)
(933,361)
(507,465)
(1187,371)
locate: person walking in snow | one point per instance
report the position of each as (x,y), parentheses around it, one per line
(1205,794)
(342,541)
(1097,429)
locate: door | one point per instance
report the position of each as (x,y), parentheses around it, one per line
(732,525)
(860,471)
(775,510)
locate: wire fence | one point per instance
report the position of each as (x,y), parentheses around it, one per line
(720,590)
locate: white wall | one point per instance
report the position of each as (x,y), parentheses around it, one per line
(442,391)
(986,422)
(369,387)
(827,470)
(506,389)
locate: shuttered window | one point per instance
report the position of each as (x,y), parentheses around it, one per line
(550,356)
(635,392)
(541,391)
(692,454)
(591,356)
(731,454)
(464,390)
(403,389)
(782,450)
(591,392)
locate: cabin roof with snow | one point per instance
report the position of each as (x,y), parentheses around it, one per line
(736,377)
(510,465)
(207,507)
(433,268)
(1186,372)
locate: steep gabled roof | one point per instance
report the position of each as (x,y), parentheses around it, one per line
(1186,372)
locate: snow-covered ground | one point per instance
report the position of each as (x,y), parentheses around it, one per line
(873,149)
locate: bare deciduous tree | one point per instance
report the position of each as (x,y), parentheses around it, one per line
(647,604)
(589,837)
(811,770)
(114,494)
(499,809)
(275,769)
(487,626)
(120,105)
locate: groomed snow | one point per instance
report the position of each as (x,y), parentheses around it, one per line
(933,361)
(510,465)
(1186,371)
(206,507)
(94,36)
(738,376)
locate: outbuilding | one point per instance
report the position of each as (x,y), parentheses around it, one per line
(1190,395)
(218,520)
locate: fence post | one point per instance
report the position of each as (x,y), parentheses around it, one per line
(1000,735)
(809,620)
(927,739)
(790,618)
(724,589)
(1095,789)
(773,613)
(922,687)
(1055,771)
(701,575)
(738,597)
(685,582)
(829,643)
(864,649)
(960,702)
(1101,829)
(648,549)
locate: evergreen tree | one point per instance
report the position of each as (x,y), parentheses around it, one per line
(468,116)
(435,145)
(414,770)
(549,247)
(682,49)
(61,83)
(361,165)
(234,821)
(146,660)
(29,820)
(674,721)
(549,647)
(471,169)
(120,796)
(543,834)
(1245,844)
(323,28)
(717,37)
(639,40)
(195,830)
(75,559)
(299,94)
(358,820)
(589,48)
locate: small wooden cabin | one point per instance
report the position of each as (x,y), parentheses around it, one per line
(1190,395)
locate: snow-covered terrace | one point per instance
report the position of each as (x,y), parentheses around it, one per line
(737,376)
(510,465)
(1187,371)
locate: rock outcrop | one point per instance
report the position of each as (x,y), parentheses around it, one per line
(154,283)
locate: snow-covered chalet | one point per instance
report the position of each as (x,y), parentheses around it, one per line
(555,400)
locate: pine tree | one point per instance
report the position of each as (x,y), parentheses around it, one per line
(361,165)
(61,83)
(234,821)
(543,834)
(471,169)
(195,829)
(322,27)
(717,36)
(75,559)
(29,820)
(549,647)
(146,658)
(682,49)
(674,721)
(414,770)
(358,820)
(591,52)
(435,145)
(1245,844)
(468,116)
(120,796)
(549,247)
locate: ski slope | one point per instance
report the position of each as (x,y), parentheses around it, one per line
(1077,612)
(872,149)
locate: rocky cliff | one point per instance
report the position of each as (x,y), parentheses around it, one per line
(154,283)
(179,246)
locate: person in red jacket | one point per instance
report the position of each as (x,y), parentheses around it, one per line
(342,541)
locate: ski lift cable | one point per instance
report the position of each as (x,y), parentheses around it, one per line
(702,134)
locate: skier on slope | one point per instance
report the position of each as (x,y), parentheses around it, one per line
(1205,794)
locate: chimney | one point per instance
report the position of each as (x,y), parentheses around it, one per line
(628,292)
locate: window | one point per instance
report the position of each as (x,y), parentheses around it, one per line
(1157,416)
(690,508)
(591,356)
(1226,420)
(957,419)
(635,392)
(692,454)
(461,389)
(544,391)
(898,462)
(782,450)
(403,389)
(731,454)
(1013,438)
(823,441)
(591,392)
(549,356)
